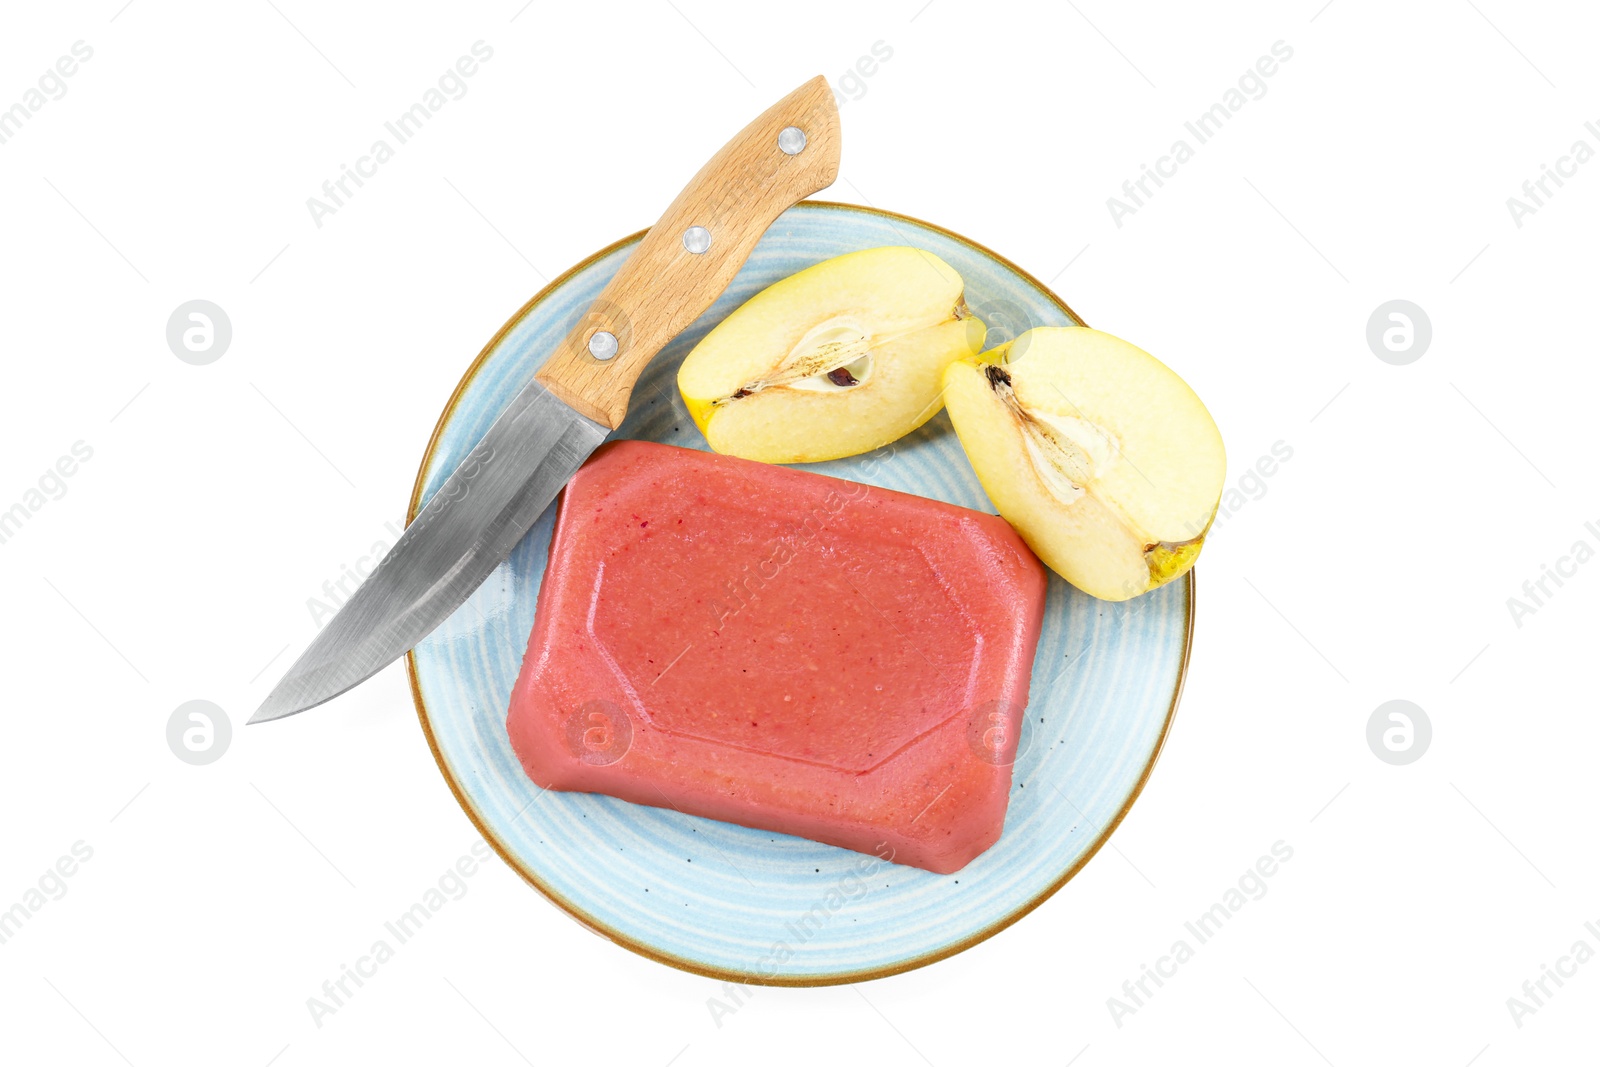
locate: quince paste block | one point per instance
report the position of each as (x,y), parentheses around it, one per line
(781,650)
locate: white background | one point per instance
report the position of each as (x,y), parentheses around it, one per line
(1376,564)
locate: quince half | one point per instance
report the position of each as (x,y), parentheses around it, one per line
(1104,460)
(838,359)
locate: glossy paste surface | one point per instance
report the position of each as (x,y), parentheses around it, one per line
(781,650)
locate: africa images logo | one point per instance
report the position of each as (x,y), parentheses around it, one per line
(1252,85)
(405,126)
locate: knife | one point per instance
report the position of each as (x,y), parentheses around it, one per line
(579,395)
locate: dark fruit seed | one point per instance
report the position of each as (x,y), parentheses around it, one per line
(740,393)
(996,375)
(841,377)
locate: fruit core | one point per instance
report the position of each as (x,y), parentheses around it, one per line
(1067,452)
(834,356)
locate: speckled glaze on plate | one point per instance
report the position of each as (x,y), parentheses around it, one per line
(731,902)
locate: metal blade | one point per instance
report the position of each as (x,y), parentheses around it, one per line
(472,523)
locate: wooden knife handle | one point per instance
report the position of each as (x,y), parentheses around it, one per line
(664,286)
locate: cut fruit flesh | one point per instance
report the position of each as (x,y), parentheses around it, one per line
(1103,459)
(836,360)
(816,418)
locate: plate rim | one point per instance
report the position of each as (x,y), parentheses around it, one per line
(632,944)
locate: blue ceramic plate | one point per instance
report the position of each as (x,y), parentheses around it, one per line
(730,902)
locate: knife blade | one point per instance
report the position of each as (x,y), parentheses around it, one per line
(578,396)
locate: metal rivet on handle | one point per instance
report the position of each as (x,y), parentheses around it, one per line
(602,345)
(697,239)
(792,139)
